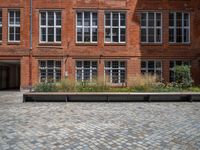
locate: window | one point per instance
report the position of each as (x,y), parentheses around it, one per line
(86,71)
(151,27)
(0,25)
(152,67)
(50,27)
(14,26)
(86,27)
(179,27)
(115,27)
(115,72)
(50,70)
(174,63)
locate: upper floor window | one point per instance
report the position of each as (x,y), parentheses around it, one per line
(151,27)
(14,26)
(179,27)
(0,25)
(50,27)
(115,27)
(86,27)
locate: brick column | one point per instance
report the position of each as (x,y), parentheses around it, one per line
(165,70)
(101,70)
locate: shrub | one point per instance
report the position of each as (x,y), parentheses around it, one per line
(66,86)
(45,87)
(183,76)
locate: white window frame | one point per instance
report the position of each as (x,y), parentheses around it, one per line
(83,27)
(46,68)
(47,26)
(82,70)
(1,25)
(117,27)
(182,28)
(175,64)
(146,69)
(119,72)
(13,25)
(155,27)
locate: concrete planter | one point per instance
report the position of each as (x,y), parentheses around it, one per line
(111,97)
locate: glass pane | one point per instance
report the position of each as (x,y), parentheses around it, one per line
(79,75)
(123,35)
(107,19)
(171,19)
(17,17)
(186,20)
(158,19)
(122,76)
(108,35)
(79,34)
(151,35)
(158,64)
(107,64)
(87,34)
(0,33)
(122,64)
(86,18)
(58,64)
(50,34)
(79,19)
(171,35)
(94,35)
(86,75)
(151,64)
(143,35)
(42,63)
(50,63)
(178,19)
(0,17)
(143,64)
(94,64)
(179,35)
(123,19)
(79,64)
(115,76)
(158,35)
(43,34)
(51,18)
(17,38)
(151,19)
(186,35)
(115,19)
(94,19)
(115,35)
(86,64)
(58,34)
(17,30)
(143,19)
(115,64)
(58,18)
(43,18)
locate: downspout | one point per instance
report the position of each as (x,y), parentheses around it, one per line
(31,46)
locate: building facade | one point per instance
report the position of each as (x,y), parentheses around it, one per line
(87,40)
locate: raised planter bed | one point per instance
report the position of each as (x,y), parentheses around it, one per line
(111,97)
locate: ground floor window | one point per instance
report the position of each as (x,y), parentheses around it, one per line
(174,63)
(86,71)
(115,72)
(152,67)
(50,70)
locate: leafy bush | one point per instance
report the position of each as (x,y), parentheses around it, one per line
(183,76)
(46,87)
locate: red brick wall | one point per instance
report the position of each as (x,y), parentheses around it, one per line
(68,51)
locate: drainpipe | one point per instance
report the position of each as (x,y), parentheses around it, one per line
(31,46)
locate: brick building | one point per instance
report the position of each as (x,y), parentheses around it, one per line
(111,40)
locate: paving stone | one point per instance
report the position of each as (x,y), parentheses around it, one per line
(94,126)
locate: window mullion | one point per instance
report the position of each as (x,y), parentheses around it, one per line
(147,29)
(111,26)
(119,28)
(175,28)
(55,27)
(46,26)
(83,26)
(155,27)
(91,40)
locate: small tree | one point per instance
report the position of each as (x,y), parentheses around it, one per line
(183,76)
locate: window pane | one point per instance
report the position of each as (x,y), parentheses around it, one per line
(186,35)
(79,75)
(143,35)
(151,19)
(123,35)
(186,20)
(86,18)
(94,19)
(94,35)
(0,33)
(143,64)
(178,19)
(86,74)
(86,64)
(158,35)
(171,19)
(58,18)
(143,19)
(87,34)
(50,64)
(43,18)
(79,64)
(43,34)
(122,76)
(58,34)
(171,35)
(108,19)
(151,64)
(115,35)
(108,35)
(50,34)
(158,19)
(115,19)
(79,34)
(0,17)
(50,18)
(151,35)
(178,35)
(115,64)
(123,19)
(115,76)
(79,19)
(17,38)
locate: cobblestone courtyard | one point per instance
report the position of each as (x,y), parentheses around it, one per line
(97,125)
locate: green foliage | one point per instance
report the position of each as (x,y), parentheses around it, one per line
(183,76)
(46,87)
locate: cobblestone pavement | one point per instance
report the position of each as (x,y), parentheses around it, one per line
(97,125)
